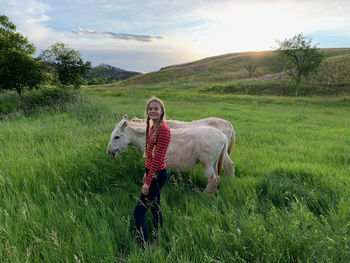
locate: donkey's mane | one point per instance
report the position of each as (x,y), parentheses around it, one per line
(137,127)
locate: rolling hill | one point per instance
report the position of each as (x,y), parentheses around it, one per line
(229,68)
(109,73)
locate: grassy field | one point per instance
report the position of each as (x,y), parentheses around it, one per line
(64,200)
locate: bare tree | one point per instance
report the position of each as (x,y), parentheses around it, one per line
(251,69)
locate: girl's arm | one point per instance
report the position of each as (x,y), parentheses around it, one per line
(159,155)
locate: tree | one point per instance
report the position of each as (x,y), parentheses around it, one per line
(97,81)
(250,68)
(300,57)
(66,63)
(17,67)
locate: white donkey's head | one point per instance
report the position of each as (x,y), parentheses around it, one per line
(120,140)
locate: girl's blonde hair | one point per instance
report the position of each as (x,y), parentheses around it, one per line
(156,125)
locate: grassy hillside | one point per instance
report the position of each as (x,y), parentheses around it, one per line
(333,79)
(64,200)
(109,73)
(221,68)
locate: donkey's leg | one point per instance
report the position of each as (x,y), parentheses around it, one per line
(213,179)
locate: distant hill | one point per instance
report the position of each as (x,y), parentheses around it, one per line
(228,68)
(108,73)
(223,68)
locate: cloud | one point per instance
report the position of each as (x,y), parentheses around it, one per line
(193,28)
(255,25)
(143,38)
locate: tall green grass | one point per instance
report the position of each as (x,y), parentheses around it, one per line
(9,102)
(40,99)
(64,200)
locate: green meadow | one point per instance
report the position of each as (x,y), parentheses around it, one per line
(63,199)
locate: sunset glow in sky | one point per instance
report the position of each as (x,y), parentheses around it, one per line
(147,35)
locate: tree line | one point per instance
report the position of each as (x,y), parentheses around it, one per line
(59,64)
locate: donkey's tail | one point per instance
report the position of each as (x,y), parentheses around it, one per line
(232,142)
(221,158)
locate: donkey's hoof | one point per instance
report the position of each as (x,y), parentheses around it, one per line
(210,189)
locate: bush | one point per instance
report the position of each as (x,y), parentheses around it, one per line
(9,102)
(279,87)
(260,87)
(223,88)
(48,96)
(97,81)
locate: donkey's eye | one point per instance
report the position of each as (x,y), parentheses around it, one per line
(117,137)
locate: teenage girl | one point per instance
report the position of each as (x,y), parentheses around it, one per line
(156,174)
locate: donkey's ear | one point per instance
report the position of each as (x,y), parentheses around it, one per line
(124,124)
(125,117)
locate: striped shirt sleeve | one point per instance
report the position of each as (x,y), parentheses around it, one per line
(159,158)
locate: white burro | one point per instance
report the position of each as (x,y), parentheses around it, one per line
(224,126)
(187,147)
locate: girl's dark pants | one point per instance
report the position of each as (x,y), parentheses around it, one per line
(152,200)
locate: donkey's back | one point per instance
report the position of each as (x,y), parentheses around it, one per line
(189,146)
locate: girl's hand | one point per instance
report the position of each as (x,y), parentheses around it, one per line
(144,189)
(144,178)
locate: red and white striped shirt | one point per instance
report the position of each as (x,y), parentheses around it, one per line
(158,161)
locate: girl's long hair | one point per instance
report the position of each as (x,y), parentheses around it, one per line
(156,125)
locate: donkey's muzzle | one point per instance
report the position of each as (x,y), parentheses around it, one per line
(111,153)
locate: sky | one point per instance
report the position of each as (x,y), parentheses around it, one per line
(146,35)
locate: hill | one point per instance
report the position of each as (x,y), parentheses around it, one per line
(230,68)
(109,73)
(223,68)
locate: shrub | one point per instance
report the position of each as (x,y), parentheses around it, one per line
(9,102)
(48,96)
(223,88)
(279,87)
(259,87)
(97,81)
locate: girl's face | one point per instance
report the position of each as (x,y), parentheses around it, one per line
(154,111)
